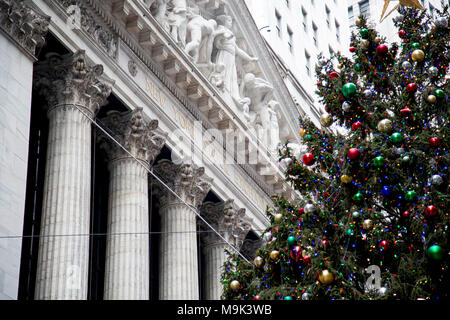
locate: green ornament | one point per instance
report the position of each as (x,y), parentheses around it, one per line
(291,241)
(357,66)
(308,137)
(415,45)
(379,161)
(439,93)
(410,195)
(396,137)
(349,89)
(435,252)
(288,298)
(350,232)
(364,33)
(224,281)
(358,197)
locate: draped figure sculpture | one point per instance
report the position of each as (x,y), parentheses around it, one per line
(199,37)
(264,109)
(177,21)
(227,50)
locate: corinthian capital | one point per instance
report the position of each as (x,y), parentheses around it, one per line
(70,80)
(187,180)
(23,24)
(231,222)
(138,135)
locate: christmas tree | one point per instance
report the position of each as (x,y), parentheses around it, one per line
(373,219)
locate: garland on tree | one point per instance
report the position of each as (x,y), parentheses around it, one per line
(373,219)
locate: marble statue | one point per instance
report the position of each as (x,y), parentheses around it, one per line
(199,34)
(263,104)
(159,10)
(227,50)
(177,21)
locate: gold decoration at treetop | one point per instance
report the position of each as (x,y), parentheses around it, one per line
(407,3)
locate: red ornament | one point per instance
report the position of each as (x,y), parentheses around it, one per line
(296,253)
(357,125)
(411,88)
(256,297)
(308,159)
(353,153)
(341,98)
(406,112)
(352,49)
(402,34)
(307,259)
(325,243)
(384,245)
(334,75)
(435,142)
(431,211)
(301,211)
(406,214)
(382,49)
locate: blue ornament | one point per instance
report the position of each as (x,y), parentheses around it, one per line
(386,191)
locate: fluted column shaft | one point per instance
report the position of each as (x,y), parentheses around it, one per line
(62,270)
(215,257)
(178,262)
(127,253)
(74,91)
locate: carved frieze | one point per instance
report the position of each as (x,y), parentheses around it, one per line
(23,24)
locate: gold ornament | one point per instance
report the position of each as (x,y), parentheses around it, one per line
(431,99)
(358,22)
(326,277)
(346,179)
(408,3)
(274,255)
(326,120)
(302,132)
(259,262)
(385,126)
(418,55)
(235,285)
(339,66)
(278,217)
(377,40)
(364,44)
(367,224)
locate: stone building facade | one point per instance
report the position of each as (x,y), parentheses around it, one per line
(138,141)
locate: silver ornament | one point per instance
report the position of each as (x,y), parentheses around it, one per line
(398,18)
(441,22)
(399,151)
(433,71)
(355,214)
(309,208)
(286,161)
(436,180)
(267,236)
(306,295)
(382,291)
(346,106)
(367,93)
(406,65)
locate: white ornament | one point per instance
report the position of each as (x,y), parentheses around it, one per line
(346,106)
(309,208)
(433,70)
(406,65)
(436,180)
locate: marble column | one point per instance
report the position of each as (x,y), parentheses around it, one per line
(69,84)
(22,30)
(233,226)
(127,247)
(178,253)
